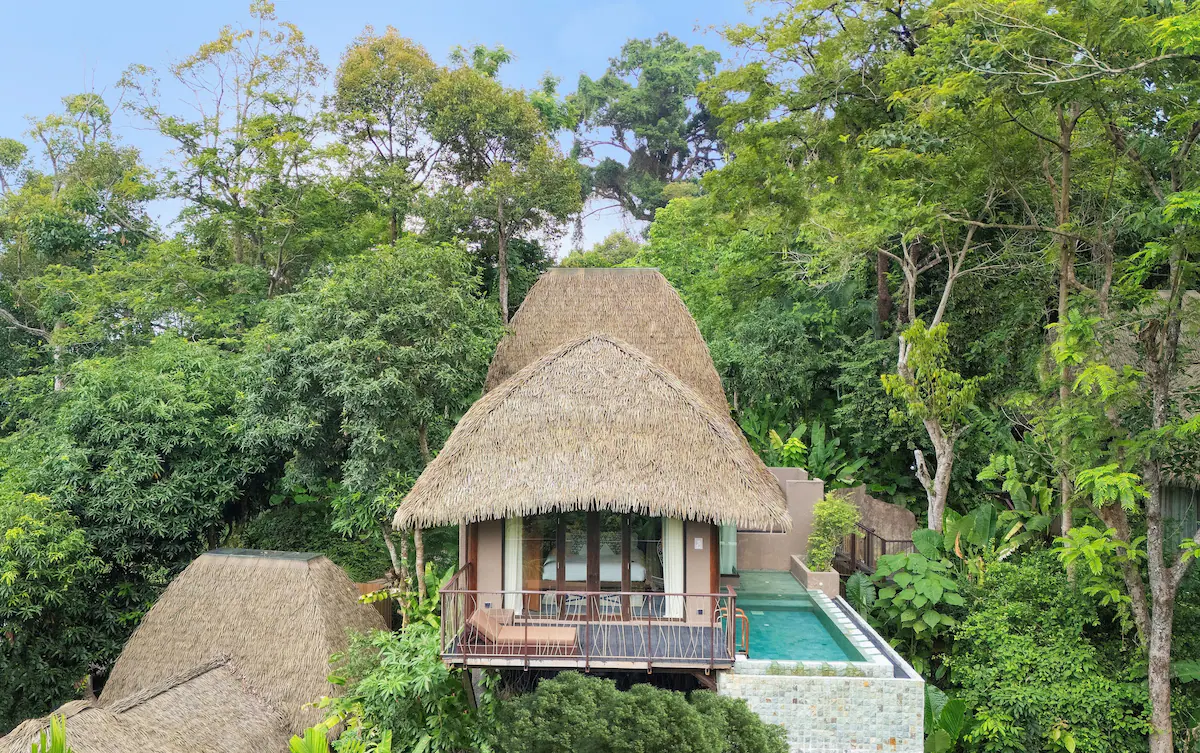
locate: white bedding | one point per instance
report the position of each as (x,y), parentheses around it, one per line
(610,566)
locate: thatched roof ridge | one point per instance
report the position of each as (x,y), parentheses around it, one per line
(96,730)
(595,424)
(278,615)
(637,306)
(205,708)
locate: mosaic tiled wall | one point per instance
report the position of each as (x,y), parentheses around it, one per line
(836,714)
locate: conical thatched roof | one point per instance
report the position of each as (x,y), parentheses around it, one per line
(595,423)
(278,615)
(637,306)
(207,708)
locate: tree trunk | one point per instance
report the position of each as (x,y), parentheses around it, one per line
(418,539)
(393,227)
(405,580)
(419,546)
(56,350)
(502,262)
(390,543)
(1066,269)
(1161,616)
(883,295)
(937,487)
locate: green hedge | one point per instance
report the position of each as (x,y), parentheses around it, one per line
(574,712)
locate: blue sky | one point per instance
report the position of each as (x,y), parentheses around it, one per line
(52,48)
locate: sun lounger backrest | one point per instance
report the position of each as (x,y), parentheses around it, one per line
(486,624)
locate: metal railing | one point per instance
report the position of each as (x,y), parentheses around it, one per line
(861,550)
(586,629)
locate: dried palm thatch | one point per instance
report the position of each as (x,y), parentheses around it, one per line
(213,708)
(595,424)
(279,615)
(207,708)
(637,306)
(95,730)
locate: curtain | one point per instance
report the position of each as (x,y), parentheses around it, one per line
(514,563)
(728,539)
(673,565)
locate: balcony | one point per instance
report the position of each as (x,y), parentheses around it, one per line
(587,630)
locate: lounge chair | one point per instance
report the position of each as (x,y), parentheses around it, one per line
(494,626)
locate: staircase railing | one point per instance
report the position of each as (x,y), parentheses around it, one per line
(861,550)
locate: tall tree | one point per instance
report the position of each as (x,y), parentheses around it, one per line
(249,159)
(1108,96)
(358,376)
(505,173)
(645,108)
(380,105)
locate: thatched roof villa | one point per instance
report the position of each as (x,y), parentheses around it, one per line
(589,483)
(226,660)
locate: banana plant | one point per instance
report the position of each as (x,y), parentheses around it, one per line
(56,741)
(316,740)
(985,535)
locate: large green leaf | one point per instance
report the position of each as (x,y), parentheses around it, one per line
(952,717)
(928,542)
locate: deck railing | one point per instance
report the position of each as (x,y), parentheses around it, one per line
(861,550)
(586,629)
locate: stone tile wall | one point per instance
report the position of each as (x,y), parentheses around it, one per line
(836,714)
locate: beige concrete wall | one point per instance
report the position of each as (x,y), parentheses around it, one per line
(491,556)
(697,568)
(891,522)
(773,551)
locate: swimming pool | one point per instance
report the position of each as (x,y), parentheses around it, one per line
(786,624)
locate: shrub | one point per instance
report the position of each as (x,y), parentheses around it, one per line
(396,683)
(46,571)
(573,712)
(918,592)
(1033,657)
(834,518)
(309,528)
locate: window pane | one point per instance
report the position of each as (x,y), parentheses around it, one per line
(645,563)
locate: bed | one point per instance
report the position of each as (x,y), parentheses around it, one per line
(610,566)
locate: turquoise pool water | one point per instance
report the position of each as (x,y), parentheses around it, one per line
(786,625)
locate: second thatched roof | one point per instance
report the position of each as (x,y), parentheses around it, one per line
(205,708)
(595,424)
(637,306)
(278,615)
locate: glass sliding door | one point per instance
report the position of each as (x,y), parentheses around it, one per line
(646,565)
(556,558)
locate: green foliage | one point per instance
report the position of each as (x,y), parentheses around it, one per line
(314,741)
(860,592)
(575,712)
(1028,661)
(823,456)
(304,523)
(834,518)
(396,684)
(917,598)
(47,577)
(932,391)
(139,449)
(349,371)
(646,103)
(616,248)
(944,720)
